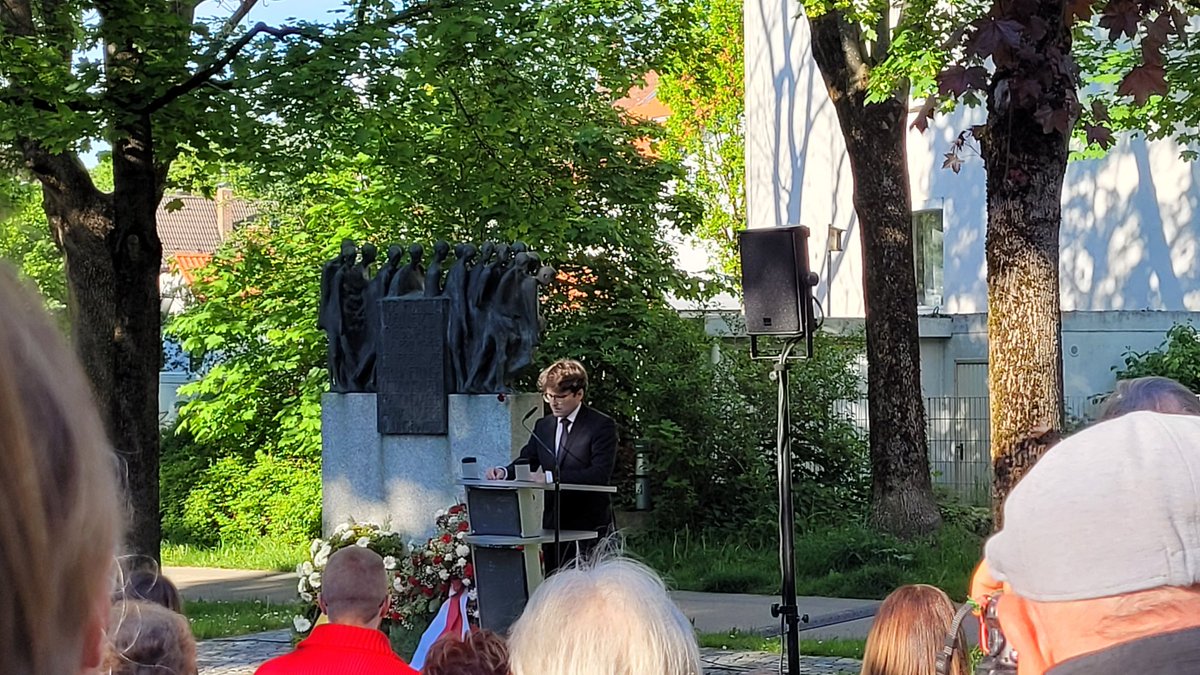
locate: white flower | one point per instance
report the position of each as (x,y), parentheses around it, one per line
(347,535)
(314,579)
(321,557)
(302,624)
(462,550)
(341,528)
(316,546)
(461,536)
(439,513)
(307,597)
(443,575)
(389,563)
(303,585)
(428,569)
(304,569)
(398,584)
(461,562)
(363,542)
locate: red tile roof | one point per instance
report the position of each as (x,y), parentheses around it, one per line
(188,263)
(643,102)
(194,227)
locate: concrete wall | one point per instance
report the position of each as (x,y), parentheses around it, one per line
(1130,235)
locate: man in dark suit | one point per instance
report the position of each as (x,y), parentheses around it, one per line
(584,441)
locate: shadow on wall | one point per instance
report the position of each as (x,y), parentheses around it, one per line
(1130,239)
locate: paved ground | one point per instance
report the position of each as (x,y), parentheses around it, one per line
(241,655)
(710,612)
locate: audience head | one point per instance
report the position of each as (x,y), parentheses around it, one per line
(1156,394)
(148,584)
(482,652)
(1101,540)
(146,638)
(354,587)
(61,523)
(910,629)
(609,617)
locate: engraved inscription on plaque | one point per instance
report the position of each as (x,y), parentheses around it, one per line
(411,370)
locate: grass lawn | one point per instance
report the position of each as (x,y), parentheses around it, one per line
(224,619)
(847,562)
(262,555)
(751,642)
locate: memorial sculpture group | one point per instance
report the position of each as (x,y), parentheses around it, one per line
(485,301)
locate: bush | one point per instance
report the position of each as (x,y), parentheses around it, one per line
(1178,358)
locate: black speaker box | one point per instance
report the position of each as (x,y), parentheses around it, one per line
(776,281)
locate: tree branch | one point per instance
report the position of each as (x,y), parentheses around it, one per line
(17,16)
(229,27)
(205,74)
(62,172)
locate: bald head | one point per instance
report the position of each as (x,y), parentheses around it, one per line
(354,587)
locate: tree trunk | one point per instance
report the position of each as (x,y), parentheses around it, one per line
(113,258)
(1025,168)
(902,499)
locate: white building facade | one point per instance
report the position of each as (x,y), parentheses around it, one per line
(1130,244)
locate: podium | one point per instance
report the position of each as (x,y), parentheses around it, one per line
(505,539)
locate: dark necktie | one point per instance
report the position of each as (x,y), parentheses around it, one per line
(562,440)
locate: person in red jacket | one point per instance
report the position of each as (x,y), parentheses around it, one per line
(354,595)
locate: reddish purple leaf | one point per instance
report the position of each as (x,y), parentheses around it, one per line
(1120,17)
(1099,111)
(1142,82)
(1152,52)
(1078,10)
(1159,29)
(1181,23)
(957,80)
(1100,135)
(1053,119)
(992,35)
(924,115)
(953,162)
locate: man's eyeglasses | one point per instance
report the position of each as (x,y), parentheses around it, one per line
(551,398)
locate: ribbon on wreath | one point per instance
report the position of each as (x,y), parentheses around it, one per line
(451,619)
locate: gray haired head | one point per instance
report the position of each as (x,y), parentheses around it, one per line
(1154,394)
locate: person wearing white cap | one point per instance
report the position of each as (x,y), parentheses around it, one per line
(1100,552)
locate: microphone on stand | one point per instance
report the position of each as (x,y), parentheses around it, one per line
(557,487)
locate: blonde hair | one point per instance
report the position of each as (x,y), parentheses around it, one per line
(909,630)
(61,522)
(613,617)
(146,638)
(563,374)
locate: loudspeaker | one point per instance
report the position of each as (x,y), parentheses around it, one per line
(777,282)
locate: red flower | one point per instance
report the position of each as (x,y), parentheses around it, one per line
(413,581)
(464,526)
(469,571)
(500,397)
(456,509)
(428,592)
(443,589)
(437,560)
(446,538)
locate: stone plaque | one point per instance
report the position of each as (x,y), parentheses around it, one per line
(411,371)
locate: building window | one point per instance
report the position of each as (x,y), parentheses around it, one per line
(927,254)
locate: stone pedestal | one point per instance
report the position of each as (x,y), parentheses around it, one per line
(403,480)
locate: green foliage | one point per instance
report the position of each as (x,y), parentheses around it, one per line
(261,554)
(713,453)
(486,124)
(213,619)
(849,561)
(702,84)
(26,244)
(1178,358)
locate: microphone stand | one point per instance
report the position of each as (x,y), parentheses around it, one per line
(557,487)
